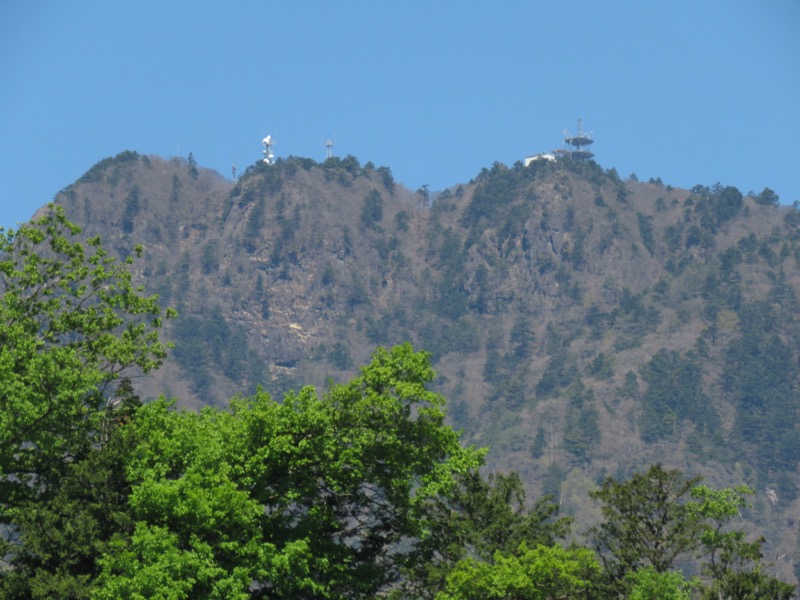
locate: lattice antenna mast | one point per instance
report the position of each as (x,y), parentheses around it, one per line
(576,144)
(329,147)
(269,156)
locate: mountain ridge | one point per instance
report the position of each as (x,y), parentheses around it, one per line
(582,325)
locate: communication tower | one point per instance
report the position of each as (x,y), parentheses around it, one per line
(329,147)
(269,157)
(576,144)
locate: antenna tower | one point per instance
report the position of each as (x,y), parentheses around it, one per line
(576,144)
(329,147)
(269,156)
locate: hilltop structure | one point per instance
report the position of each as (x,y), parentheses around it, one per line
(269,155)
(575,147)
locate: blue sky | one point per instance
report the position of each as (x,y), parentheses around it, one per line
(686,90)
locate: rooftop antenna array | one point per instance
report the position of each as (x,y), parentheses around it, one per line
(576,144)
(269,156)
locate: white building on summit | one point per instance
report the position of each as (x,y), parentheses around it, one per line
(542,156)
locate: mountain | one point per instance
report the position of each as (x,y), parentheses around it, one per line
(581,325)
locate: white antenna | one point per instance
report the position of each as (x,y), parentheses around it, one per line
(269,157)
(329,146)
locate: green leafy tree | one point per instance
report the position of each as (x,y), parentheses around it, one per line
(655,519)
(649,584)
(481,516)
(538,573)
(733,564)
(71,323)
(62,534)
(317,497)
(195,533)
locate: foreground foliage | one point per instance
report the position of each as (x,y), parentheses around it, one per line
(659,518)
(534,573)
(359,492)
(311,497)
(71,323)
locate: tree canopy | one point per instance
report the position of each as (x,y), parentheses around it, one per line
(654,520)
(359,491)
(71,323)
(316,496)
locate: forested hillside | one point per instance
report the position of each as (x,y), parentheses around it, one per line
(581,325)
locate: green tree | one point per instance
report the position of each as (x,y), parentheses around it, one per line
(646,522)
(132,208)
(252,230)
(65,531)
(522,338)
(193,173)
(538,573)
(196,534)
(674,393)
(71,323)
(758,378)
(649,584)
(560,372)
(768,197)
(209,260)
(646,232)
(656,519)
(402,220)
(372,210)
(602,367)
(716,205)
(733,564)
(481,516)
(387,178)
(581,430)
(310,497)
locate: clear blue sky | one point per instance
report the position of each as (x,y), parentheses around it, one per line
(686,90)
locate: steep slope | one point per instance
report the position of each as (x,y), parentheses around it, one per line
(582,325)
